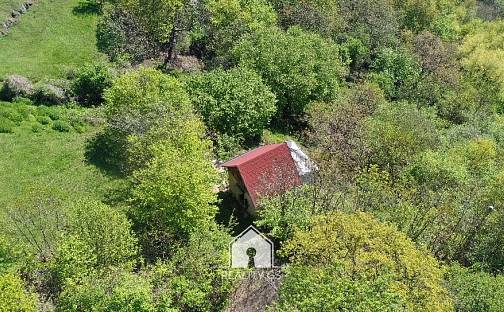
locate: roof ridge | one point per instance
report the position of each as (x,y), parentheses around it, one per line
(251,151)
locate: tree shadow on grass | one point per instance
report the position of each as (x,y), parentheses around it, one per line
(101,152)
(89,7)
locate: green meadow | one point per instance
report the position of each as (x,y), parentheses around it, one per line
(52,37)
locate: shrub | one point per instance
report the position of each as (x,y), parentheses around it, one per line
(79,126)
(397,132)
(22,100)
(14,86)
(11,113)
(13,296)
(37,128)
(61,126)
(194,278)
(44,120)
(6,125)
(397,72)
(118,291)
(98,239)
(227,146)
(49,94)
(475,291)
(235,102)
(90,82)
(54,113)
(176,200)
(9,255)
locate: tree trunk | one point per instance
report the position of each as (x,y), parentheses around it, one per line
(172,42)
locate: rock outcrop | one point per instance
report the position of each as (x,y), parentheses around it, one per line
(14,17)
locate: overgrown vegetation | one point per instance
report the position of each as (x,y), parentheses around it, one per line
(109,196)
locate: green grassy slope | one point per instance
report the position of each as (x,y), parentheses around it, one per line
(6,6)
(51,37)
(47,162)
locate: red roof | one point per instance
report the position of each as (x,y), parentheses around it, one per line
(266,170)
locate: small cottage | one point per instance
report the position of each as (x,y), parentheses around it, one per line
(267,170)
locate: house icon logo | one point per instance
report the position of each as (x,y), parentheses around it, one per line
(251,249)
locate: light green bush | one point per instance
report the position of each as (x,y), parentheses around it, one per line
(13,295)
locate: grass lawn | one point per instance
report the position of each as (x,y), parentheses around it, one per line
(48,162)
(53,36)
(6,6)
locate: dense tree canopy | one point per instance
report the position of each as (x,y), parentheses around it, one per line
(399,103)
(305,67)
(235,103)
(340,247)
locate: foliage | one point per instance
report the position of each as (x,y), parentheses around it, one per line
(285,213)
(6,125)
(196,278)
(98,238)
(337,130)
(234,103)
(332,289)
(13,296)
(376,252)
(118,291)
(138,102)
(396,71)
(90,82)
(227,147)
(397,132)
(173,193)
(299,67)
(474,290)
(193,279)
(48,94)
(227,22)
(482,50)
(61,126)
(121,36)
(14,86)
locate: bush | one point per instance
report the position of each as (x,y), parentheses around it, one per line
(22,100)
(44,120)
(194,278)
(475,291)
(227,146)
(98,239)
(11,113)
(49,94)
(397,132)
(54,113)
(13,296)
(6,125)
(9,255)
(14,86)
(37,128)
(396,71)
(118,291)
(79,126)
(90,82)
(61,126)
(235,102)
(121,36)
